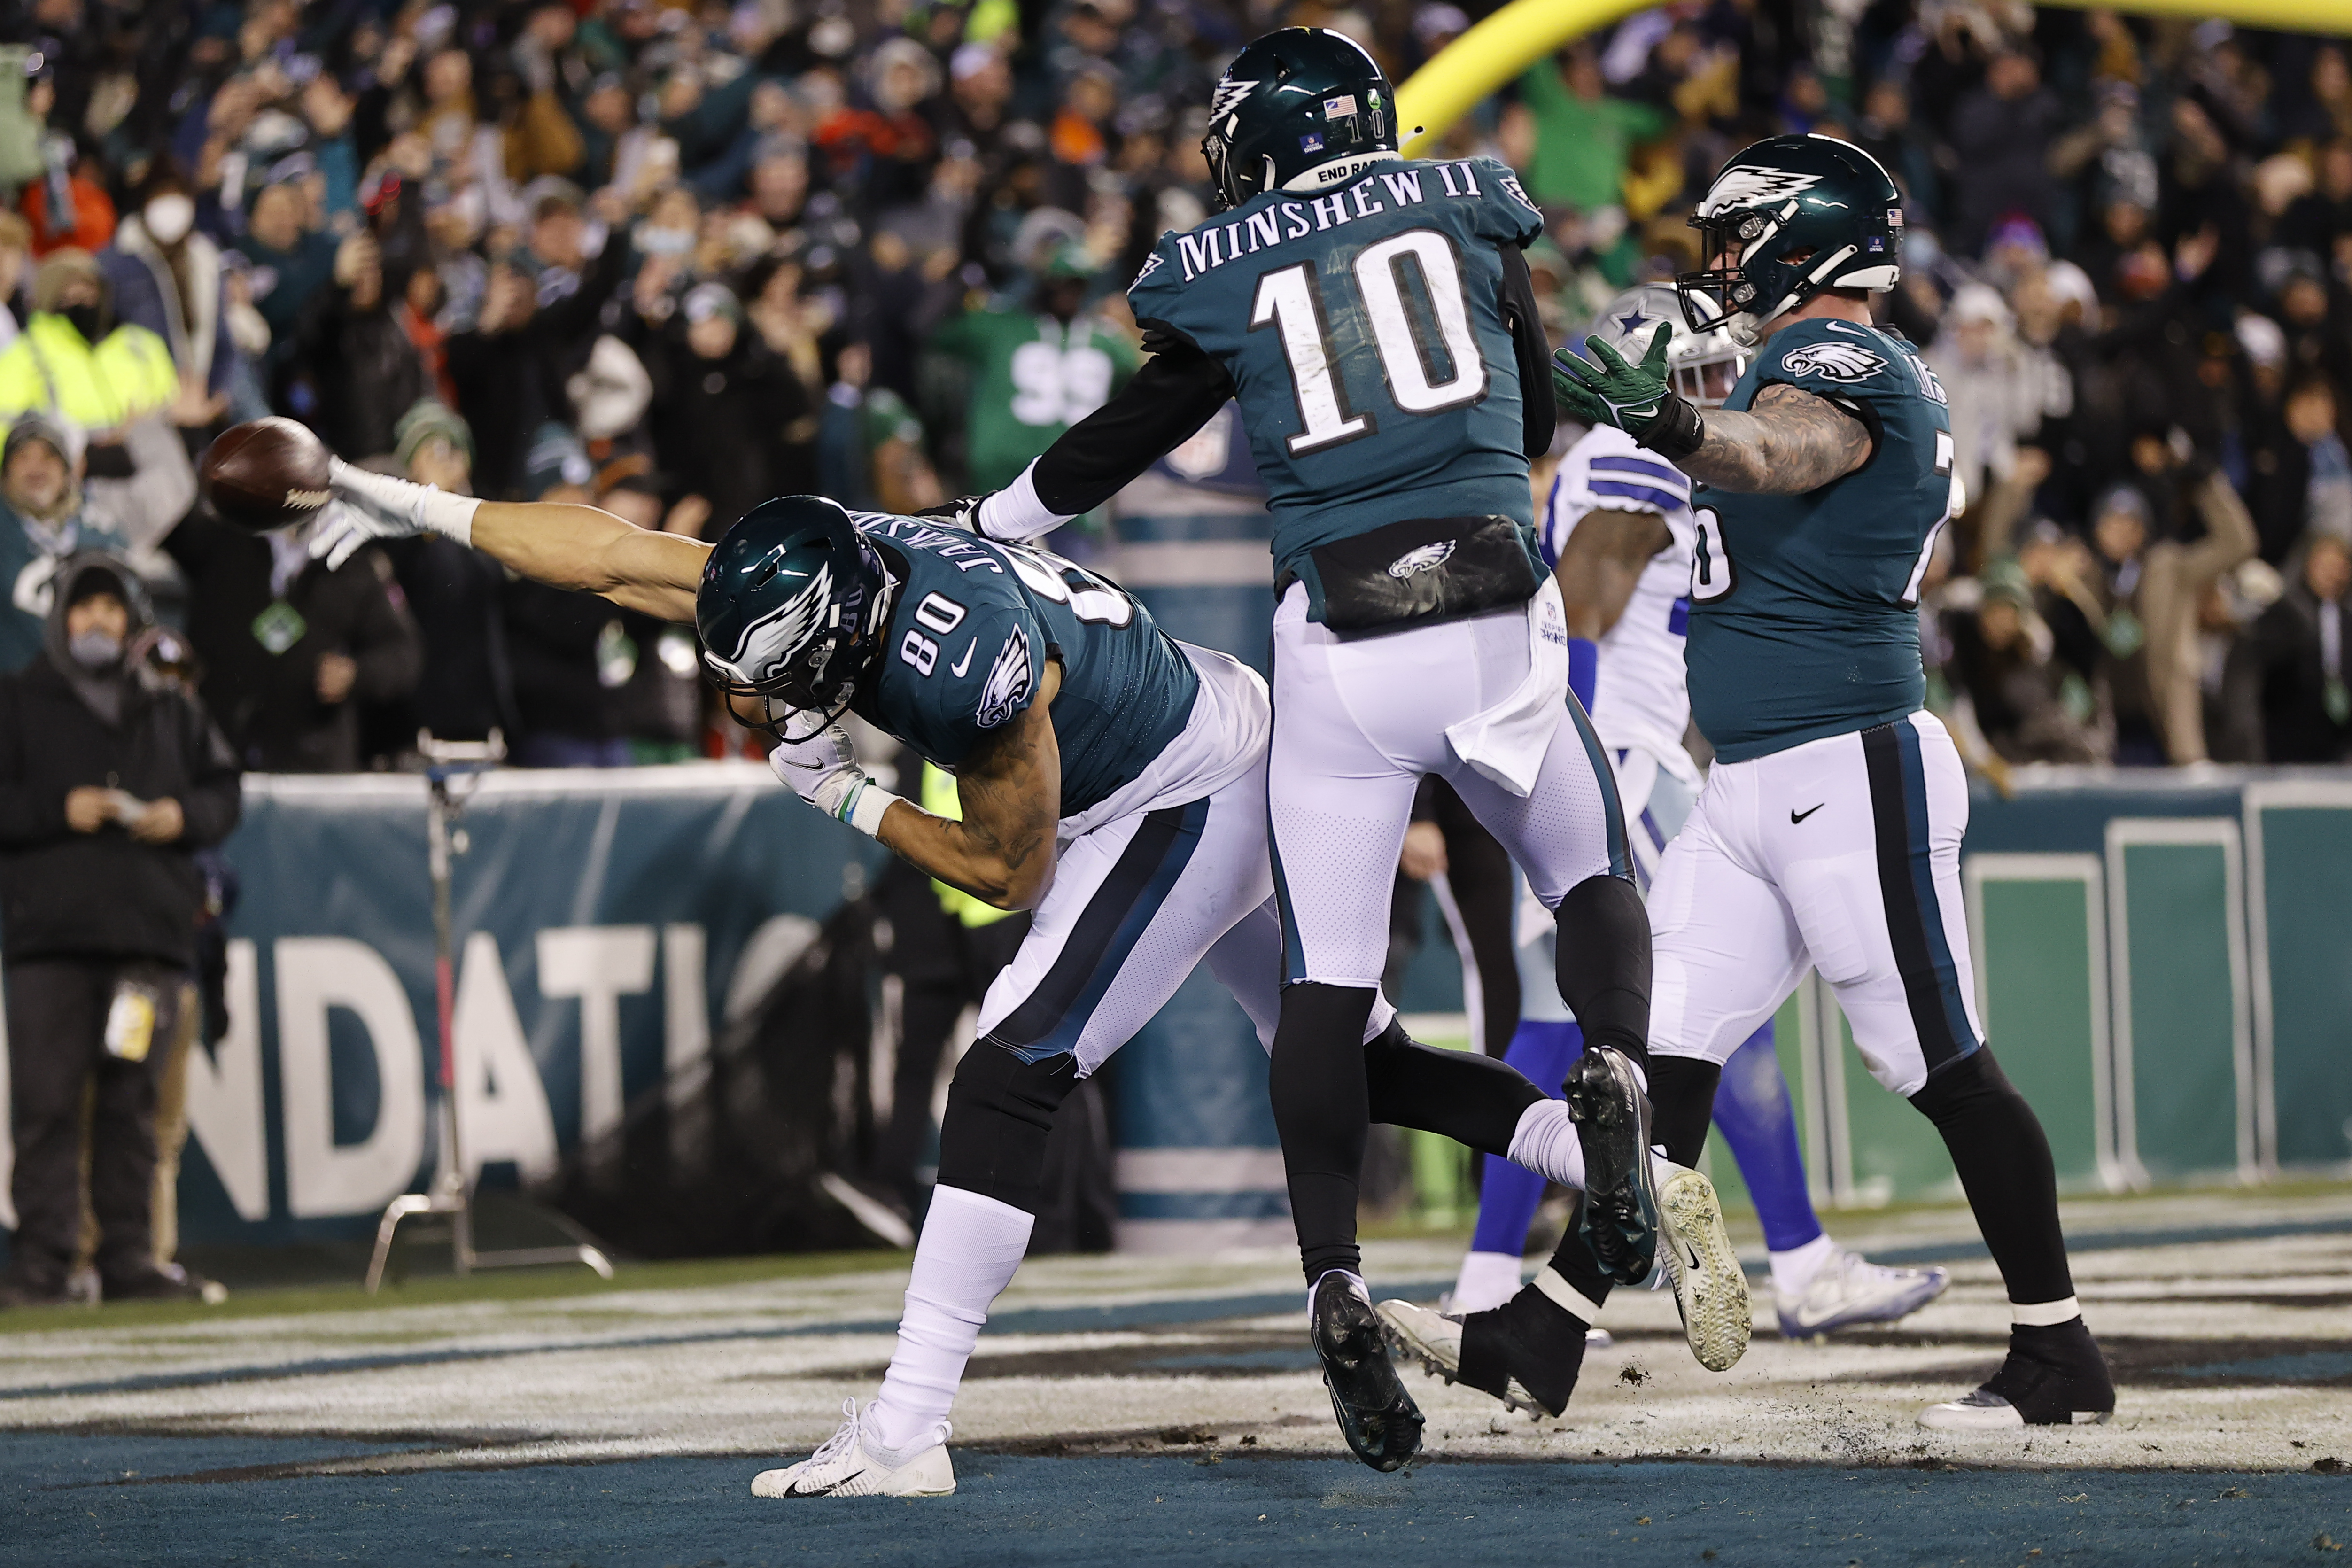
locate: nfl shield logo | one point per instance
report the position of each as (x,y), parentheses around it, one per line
(1311,143)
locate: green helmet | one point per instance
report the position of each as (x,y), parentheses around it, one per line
(1785,219)
(1298,100)
(790,610)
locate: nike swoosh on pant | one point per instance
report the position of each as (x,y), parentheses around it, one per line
(960,665)
(1794,815)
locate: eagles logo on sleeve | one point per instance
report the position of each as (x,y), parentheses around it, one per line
(1834,362)
(1007,686)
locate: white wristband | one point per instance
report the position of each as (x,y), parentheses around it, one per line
(866,808)
(451,516)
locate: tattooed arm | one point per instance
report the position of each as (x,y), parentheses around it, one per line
(1001,853)
(1789,442)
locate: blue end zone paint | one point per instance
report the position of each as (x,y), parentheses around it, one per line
(72,1507)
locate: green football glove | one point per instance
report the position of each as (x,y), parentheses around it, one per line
(1636,398)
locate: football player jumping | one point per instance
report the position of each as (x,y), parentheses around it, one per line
(1618,530)
(1375,320)
(1829,831)
(1112,780)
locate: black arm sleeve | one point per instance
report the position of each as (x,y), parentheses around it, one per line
(1172,396)
(1526,322)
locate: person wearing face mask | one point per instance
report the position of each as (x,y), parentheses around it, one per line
(110,781)
(167,277)
(78,362)
(48,512)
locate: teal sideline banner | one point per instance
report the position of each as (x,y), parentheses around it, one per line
(610,923)
(2164,966)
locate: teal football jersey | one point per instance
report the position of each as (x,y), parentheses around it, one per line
(1364,333)
(1804,618)
(966,648)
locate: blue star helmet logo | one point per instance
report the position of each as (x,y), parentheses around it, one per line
(1633,323)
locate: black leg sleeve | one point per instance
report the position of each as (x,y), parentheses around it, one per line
(1604,962)
(999,1109)
(1682,1103)
(1322,1109)
(1475,1100)
(2002,1156)
(1478,870)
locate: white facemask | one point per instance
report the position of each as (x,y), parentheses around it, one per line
(168,218)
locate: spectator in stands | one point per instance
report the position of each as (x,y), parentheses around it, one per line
(569,653)
(167,277)
(76,362)
(2294,660)
(731,418)
(368,370)
(110,781)
(2000,142)
(47,511)
(1582,138)
(291,263)
(464,689)
(291,647)
(2027,707)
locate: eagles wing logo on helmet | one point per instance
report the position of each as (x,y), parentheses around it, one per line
(1226,97)
(1007,683)
(768,641)
(1751,186)
(1838,362)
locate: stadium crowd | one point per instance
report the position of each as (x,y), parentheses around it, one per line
(676,257)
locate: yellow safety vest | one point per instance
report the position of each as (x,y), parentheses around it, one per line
(941,799)
(51,369)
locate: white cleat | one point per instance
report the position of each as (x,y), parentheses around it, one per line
(1982,1410)
(848,1466)
(1710,1290)
(1434,1340)
(1848,1289)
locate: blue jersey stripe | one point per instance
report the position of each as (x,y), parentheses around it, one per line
(1648,495)
(1615,463)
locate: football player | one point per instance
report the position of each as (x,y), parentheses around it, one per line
(1829,831)
(1375,320)
(1618,530)
(1112,781)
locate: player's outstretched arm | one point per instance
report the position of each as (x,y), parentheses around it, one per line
(558,543)
(571,546)
(1001,853)
(1789,442)
(1786,442)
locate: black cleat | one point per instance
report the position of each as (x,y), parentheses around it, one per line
(1377,1416)
(1619,1217)
(1526,1353)
(2054,1377)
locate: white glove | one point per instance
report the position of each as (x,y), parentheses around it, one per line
(823,771)
(377,506)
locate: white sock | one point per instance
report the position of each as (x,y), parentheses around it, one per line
(1794,1270)
(2043,1314)
(1544,1141)
(1487,1280)
(970,1247)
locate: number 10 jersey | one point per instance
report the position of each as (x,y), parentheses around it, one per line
(1364,329)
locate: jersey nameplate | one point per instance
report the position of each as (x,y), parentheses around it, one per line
(1207,249)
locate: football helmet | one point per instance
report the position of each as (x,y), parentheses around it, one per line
(1298,100)
(1785,219)
(790,610)
(1702,364)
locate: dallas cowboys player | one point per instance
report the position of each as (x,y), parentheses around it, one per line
(1112,780)
(1374,318)
(1829,832)
(1618,530)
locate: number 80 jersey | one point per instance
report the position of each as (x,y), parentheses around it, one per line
(965,650)
(1364,329)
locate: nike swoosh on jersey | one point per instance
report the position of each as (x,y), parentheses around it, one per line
(960,665)
(1795,815)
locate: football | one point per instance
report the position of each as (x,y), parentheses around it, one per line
(267,473)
